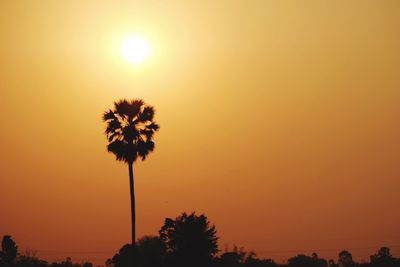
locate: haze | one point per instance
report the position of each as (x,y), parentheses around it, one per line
(279,121)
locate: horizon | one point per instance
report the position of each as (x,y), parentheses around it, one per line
(279,122)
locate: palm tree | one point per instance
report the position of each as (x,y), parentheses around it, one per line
(130,130)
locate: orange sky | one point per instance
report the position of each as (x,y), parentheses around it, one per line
(279,121)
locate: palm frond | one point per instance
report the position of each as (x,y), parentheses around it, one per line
(121,107)
(130,133)
(113,136)
(130,129)
(144,148)
(119,149)
(113,125)
(146,115)
(129,109)
(154,126)
(148,133)
(108,115)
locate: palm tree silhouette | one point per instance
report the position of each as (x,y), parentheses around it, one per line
(130,130)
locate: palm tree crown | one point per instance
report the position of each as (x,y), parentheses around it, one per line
(130,129)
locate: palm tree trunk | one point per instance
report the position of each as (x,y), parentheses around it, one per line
(132,190)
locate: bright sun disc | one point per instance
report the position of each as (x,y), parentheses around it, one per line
(135,49)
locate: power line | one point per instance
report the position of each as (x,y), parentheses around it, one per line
(261,251)
(325,249)
(70,252)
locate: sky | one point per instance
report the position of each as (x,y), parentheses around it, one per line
(279,121)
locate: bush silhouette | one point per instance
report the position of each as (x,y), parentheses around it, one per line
(345,259)
(148,252)
(303,260)
(124,257)
(384,259)
(239,258)
(189,240)
(9,250)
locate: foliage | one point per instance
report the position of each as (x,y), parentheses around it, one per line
(146,253)
(384,259)
(239,257)
(130,130)
(345,259)
(189,239)
(303,260)
(9,249)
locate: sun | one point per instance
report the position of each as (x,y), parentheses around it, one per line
(135,49)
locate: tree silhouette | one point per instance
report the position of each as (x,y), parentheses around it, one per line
(124,258)
(303,260)
(345,259)
(189,240)
(383,258)
(238,257)
(148,252)
(130,130)
(9,249)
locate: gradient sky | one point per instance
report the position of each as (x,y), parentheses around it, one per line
(279,121)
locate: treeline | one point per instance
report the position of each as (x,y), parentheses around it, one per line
(191,241)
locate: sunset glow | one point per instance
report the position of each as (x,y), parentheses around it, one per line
(135,49)
(279,120)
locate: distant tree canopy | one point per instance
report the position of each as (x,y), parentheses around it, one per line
(345,259)
(9,249)
(384,259)
(303,260)
(190,240)
(148,252)
(239,257)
